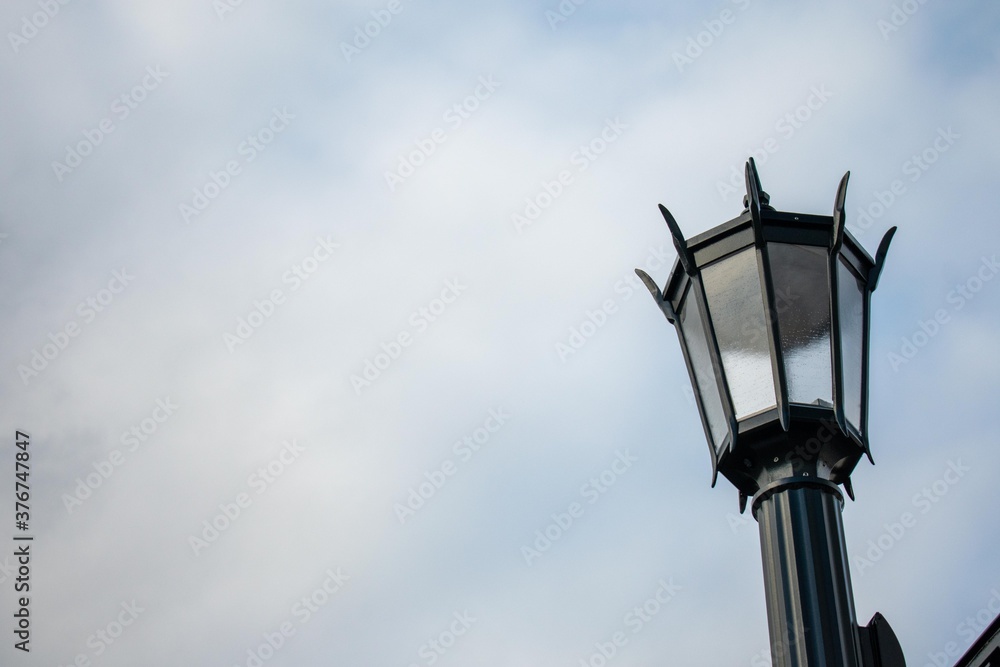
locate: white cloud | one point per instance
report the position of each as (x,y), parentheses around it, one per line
(494,346)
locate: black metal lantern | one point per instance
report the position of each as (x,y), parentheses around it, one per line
(772,312)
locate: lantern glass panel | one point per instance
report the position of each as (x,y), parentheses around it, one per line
(851,293)
(733,291)
(706,384)
(800,278)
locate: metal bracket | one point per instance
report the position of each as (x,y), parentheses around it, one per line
(879,644)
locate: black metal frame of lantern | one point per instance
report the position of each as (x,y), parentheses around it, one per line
(772,310)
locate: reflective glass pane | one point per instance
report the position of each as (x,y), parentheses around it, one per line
(852,303)
(732,286)
(707,384)
(800,277)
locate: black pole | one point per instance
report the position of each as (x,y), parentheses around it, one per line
(810,604)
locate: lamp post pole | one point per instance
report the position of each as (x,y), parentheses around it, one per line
(810,604)
(772,311)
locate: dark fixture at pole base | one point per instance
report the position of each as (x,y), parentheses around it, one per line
(879,645)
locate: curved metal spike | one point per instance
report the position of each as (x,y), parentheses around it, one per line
(849,488)
(762,197)
(687,260)
(839,219)
(752,182)
(665,306)
(883,249)
(650,285)
(753,199)
(743,502)
(756,177)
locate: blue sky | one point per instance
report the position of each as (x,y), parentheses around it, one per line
(217,222)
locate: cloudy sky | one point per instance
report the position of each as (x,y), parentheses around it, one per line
(293,294)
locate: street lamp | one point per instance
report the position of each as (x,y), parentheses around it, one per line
(772,310)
